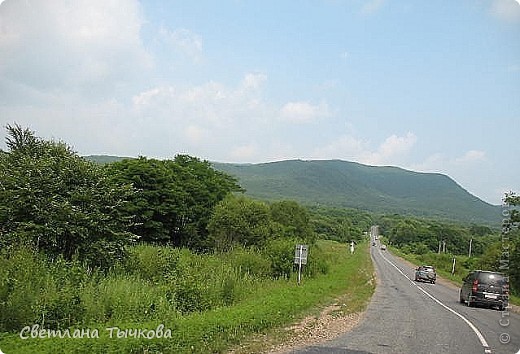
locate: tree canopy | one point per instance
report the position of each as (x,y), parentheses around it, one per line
(174,199)
(55,201)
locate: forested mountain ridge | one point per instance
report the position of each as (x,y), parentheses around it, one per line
(339,183)
(348,184)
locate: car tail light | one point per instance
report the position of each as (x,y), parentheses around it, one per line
(475,286)
(506,289)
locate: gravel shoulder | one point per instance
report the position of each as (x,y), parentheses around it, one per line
(327,323)
(313,330)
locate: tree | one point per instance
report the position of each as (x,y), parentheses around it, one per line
(511,232)
(513,200)
(174,198)
(504,255)
(239,220)
(53,200)
(294,218)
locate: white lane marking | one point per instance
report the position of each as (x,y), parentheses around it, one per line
(471,325)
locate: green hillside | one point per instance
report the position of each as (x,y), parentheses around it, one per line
(348,184)
(377,189)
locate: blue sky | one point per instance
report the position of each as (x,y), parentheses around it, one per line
(428,86)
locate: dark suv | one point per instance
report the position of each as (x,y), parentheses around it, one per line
(485,288)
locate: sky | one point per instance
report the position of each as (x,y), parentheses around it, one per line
(429,86)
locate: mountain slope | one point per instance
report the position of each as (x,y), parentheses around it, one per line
(350,184)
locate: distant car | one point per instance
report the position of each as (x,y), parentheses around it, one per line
(426,273)
(383,247)
(487,288)
(373,243)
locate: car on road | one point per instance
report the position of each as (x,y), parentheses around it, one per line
(426,273)
(383,247)
(487,288)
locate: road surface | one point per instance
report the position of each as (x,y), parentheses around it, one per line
(409,317)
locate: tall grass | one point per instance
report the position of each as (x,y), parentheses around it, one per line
(208,302)
(154,282)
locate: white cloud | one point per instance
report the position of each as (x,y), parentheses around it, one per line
(184,41)
(253,81)
(438,162)
(472,156)
(394,146)
(208,116)
(90,46)
(347,147)
(244,152)
(303,112)
(506,10)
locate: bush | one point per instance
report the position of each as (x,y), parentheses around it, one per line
(153,263)
(23,275)
(249,261)
(317,263)
(280,252)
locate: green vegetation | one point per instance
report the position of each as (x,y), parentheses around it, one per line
(140,243)
(340,224)
(173,199)
(209,302)
(58,203)
(352,185)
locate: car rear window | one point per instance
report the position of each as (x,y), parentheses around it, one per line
(491,278)
(427,269)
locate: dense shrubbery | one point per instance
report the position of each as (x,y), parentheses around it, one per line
(155,282)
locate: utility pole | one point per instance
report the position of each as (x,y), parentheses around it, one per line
(439,252)
(443,246)
(470,242)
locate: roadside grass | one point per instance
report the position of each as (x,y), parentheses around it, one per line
(270,307)
(443,264)
(354,286)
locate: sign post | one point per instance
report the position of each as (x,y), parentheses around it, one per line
(453,266)
(300,258)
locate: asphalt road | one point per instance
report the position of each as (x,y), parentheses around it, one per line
(409,317)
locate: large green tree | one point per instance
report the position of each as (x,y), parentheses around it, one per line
(174,198)
(53,200)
